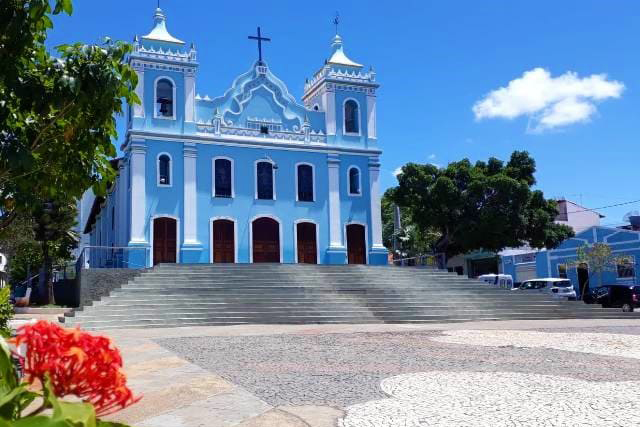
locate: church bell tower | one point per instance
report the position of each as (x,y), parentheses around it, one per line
(347,95)
(166,71)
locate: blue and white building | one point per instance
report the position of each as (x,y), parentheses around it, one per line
(561,261)
(252,175)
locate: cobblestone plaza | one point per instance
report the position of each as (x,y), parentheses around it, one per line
(579,373)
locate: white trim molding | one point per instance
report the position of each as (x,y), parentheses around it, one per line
(276,219)
(190,154)
(155,98)
(344,117)
(138,193)
(376,209)
(329,103)
(371,117)
(366,239)
(189,98)
(153,218)
(138,109)
(235,236)
(295,238)
(349,193)
(171,176)
(313,181)
(333,169)
(233,177)
(255,177)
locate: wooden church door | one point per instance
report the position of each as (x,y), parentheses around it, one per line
(223,241)
(306,240)
(266,240)
(356,246)
(164,240)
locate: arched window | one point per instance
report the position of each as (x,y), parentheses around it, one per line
(354,181)
(164,170)
(305,183)
(164,98)
(264,176)
(223,179)
(351,117)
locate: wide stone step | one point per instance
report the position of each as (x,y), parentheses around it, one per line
(159,323)
(209,294)
(449,299)
(311,304)
(382,315)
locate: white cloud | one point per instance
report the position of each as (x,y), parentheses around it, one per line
(432,156)
(549,102)
(397,171)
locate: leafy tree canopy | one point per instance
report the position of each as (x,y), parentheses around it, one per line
(56,112)
(482,206)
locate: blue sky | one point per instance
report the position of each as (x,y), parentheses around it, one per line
(435,60)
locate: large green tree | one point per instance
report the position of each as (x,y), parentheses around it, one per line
(56,111)
(483,206)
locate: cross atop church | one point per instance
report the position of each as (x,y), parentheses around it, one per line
(260,40)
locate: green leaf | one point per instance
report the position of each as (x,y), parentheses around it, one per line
(76,413)
(40,421)
(8,377)
(108,424)
(67,5)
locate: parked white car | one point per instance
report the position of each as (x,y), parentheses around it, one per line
(556,287)
(501,280)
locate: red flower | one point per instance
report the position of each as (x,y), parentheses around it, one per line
(78,364)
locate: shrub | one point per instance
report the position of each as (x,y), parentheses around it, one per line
(59,363)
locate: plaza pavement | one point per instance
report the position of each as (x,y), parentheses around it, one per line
(511,373)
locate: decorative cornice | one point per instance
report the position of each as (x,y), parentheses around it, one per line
(249,142)
(142,65)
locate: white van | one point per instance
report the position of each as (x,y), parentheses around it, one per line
(501,280)
(556,287)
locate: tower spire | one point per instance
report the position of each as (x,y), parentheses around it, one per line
(336,21)
(159,31)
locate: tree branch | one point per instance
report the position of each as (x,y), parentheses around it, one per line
(61,113)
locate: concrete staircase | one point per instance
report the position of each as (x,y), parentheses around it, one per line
(172,295)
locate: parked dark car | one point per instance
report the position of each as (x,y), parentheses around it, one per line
(619,296)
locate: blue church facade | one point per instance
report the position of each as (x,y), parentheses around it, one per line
(249,176)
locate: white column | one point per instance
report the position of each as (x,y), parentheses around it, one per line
(374,194)
(371,117)
(138,109)
(335,224)
(121,204)
(190,204)
(138,191)
(329,101)
(189,96)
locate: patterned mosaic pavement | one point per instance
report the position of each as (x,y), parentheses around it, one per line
(385,376)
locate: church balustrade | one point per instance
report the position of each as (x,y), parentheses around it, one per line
(344,76)
(164,54)
(284,135)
